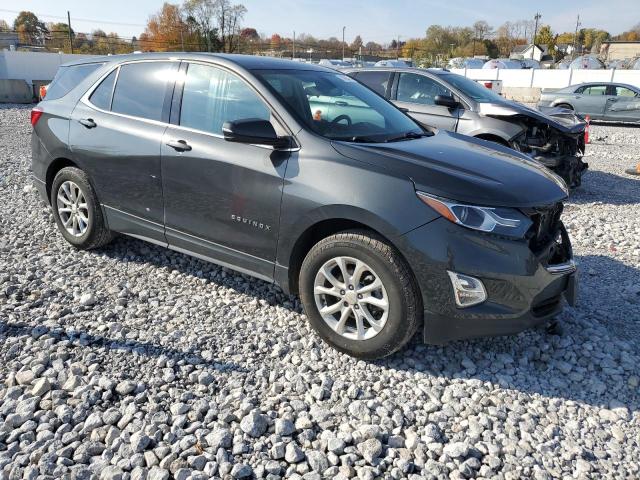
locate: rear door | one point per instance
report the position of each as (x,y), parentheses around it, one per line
(416,93)
(623,105)
(115,135)
(222,199)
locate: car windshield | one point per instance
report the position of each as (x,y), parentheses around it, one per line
(337,107)
(471,89)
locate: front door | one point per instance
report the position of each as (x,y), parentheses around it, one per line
(591,100)
(416,93)
(623,105)
(221,199)
(115,136)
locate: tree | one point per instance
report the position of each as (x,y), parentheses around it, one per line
(202,14)
(276,41)
(482,29)
(372,47)
(250,34)
(546,37)
(167,31)
(4,26)
(30,29)
(58,36)
(356,44)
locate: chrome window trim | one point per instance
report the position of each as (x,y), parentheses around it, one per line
(85,99)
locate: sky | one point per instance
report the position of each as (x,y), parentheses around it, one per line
(374,20)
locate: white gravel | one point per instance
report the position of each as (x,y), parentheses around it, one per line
(137,362)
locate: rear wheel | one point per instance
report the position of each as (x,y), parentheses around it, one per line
(360,295)
(77,210)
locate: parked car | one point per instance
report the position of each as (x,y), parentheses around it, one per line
(338,64)
(391,63)
(616,102)
(504,63)
(587,62)
(383,228)
(444,100)
(530,63)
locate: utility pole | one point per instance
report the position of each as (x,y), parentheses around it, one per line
(575,38)
(535,32)
(293,47)
(343,29)
(69,27)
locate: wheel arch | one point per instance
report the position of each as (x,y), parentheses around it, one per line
(53,169)
(317,231)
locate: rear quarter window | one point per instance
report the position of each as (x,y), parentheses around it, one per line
(67,78)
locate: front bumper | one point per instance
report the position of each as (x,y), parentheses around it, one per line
(521,291)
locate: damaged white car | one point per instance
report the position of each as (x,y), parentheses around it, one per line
(444,100)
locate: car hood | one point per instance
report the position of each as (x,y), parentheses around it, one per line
(559,118)
(465,169)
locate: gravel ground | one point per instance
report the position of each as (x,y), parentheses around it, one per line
(137,362)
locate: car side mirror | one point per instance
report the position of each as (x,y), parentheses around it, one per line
(446,101)
(253,131)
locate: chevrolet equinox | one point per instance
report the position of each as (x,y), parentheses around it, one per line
(382,227)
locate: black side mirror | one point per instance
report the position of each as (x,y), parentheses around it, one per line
(254,131)
(446,101)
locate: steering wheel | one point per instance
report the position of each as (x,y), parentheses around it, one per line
(339,118)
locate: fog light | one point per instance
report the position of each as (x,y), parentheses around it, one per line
(467,290)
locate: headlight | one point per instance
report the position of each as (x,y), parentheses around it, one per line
(499,220)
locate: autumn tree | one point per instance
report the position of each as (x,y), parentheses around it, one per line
(4,26)
(30,29)
(168,31)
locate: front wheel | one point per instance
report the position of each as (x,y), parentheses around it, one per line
(360,295)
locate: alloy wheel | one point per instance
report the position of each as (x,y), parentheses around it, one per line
(72,208)
(351,298)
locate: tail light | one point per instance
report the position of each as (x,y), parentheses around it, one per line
(36,113)
(489,85)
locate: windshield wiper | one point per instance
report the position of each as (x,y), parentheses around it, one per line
(409,136)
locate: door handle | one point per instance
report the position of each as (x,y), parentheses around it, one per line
(341,103)
(88,122)
(179,145)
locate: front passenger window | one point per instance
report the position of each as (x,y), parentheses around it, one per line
(212,96)
(414,88)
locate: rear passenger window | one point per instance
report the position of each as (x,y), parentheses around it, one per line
(142,87)
(67,78)
(101,96)
(212,96)
(376,81)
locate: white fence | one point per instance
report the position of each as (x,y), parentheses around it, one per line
(30,66)
(540,78)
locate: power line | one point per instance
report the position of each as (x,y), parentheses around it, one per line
(57,17)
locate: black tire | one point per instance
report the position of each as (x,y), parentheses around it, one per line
(565,105)
(405,304)
(96,234)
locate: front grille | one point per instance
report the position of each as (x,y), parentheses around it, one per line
(546,225)
(548,239)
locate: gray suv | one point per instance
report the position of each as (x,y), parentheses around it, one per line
(443,100)
(382,228)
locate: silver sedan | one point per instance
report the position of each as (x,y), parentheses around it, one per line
(617,102)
